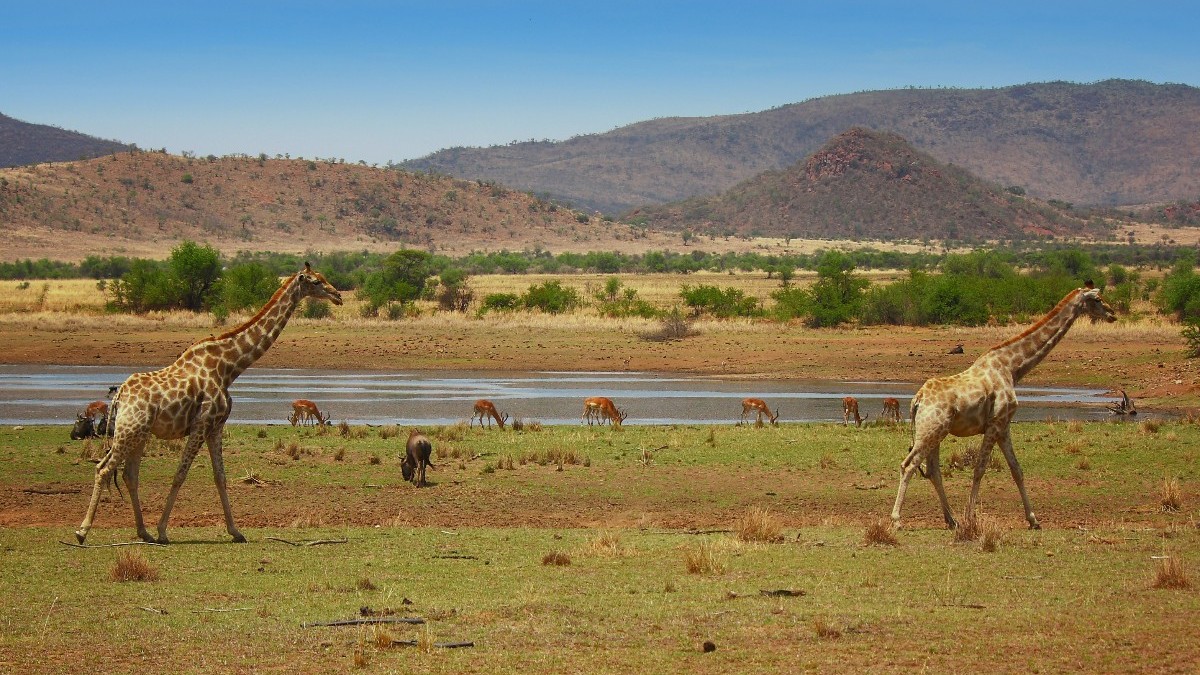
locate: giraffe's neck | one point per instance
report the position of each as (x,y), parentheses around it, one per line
(238,349)
(1023,352)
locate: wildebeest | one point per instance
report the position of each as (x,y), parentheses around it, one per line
(416,457)
(84,428)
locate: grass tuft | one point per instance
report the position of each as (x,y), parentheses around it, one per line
(1084,464)
(880,533)
(339,454)
(991,535)
(344,429)
(758,525)
(1171,574)
(1147,427)
(1075,426)
(969,529)
(365,584)
(1170,498)
(556,558)
(389,431)
(608,543)
(824,629)
(374,459)
(132,566)
(703,559)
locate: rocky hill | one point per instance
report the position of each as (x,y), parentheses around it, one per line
(874,185)
(143,203)
(23,143)
(1108,143)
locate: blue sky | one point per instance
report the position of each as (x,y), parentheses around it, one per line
(380,81)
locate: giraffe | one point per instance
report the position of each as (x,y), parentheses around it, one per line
(982,400)
(850,410)
(190,398)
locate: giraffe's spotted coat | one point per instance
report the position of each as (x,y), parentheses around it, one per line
(190,398)
(982,400)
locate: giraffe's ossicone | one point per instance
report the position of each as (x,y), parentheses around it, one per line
(982,400)
(190,399)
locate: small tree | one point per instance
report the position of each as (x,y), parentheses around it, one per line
(245,286)
(194,270)
(401,278)
(551,297)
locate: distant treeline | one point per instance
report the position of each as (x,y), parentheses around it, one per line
(349,269)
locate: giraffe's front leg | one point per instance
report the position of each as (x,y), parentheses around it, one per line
(1019,478)
(218,467)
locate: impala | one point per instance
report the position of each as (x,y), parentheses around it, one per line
(891,410)
(599,408)
(485,410)
(760,406)
(305,412)
(850,410)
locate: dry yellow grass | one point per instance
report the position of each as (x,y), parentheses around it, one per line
(1171,573)
(132,566)
(1170,497)
(880,533)
(703,558)
(758,525)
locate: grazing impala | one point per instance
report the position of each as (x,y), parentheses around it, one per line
(850,410)
(760,406)
(485,410)
(96,410)
(305,412)
(891,410)
(599,408)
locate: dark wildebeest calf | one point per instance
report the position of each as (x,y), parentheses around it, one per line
(416,458)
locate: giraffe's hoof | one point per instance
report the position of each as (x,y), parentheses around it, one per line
(161,540)
(80,535)
(239,538)
(1035,526)
(951,524)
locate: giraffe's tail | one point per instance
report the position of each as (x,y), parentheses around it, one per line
(109,435)
(912,418)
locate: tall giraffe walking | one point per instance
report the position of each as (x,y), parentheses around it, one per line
(191,398)
(982,400)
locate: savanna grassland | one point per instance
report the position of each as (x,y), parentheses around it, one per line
(585,549)
(574,549)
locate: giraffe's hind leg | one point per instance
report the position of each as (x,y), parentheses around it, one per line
(218,467)
(981,465)
(130,474)
(1019,478)
(185,464)
(934,473)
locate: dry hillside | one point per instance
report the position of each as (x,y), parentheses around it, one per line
(1112,142)
(870,184)
(24,143)
(143,203)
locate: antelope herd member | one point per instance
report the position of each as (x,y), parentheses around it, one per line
(850,410)
(190,398)
(417,452)
(599,408)
(485,410)
(760,406)
(982,400)
(305,412)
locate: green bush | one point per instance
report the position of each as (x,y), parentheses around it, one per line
(501,301)
(316,309)
(246,286)
(551,297)
(401,278)
(1179,292)
(721,303)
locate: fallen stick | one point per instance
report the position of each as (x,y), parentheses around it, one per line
(443,645)
(782,593)
(315,542)
(154,610)
(365,621)
(122,543)
(457,557)
(51,491)
(211,609)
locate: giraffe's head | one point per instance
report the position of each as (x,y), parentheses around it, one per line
(1094,306)
(314,285)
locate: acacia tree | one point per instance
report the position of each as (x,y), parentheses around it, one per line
(193,270)
(401,278)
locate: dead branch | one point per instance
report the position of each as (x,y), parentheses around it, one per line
(443,645)
(365,621)
(315,542)
(457,557)
(154,610)
(783,593)
(121,543)
(51,491)
(869,487)
(211,609)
